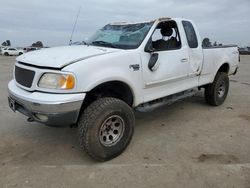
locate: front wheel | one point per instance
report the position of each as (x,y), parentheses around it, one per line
(216,93)
(105,128)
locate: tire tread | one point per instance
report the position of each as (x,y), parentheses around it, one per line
(210,89)
(87,119)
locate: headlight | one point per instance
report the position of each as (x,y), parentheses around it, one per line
(57,81)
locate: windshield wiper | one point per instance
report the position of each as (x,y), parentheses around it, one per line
(103,43)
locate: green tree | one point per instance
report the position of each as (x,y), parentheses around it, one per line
(6,43)
(206,42)
(37,44)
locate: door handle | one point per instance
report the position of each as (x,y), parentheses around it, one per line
(184,60)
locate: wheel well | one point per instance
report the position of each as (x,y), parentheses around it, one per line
(224,68)
(114,89)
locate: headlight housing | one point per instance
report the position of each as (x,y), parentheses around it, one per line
(57,81)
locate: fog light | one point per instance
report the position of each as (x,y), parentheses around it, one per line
(41,117)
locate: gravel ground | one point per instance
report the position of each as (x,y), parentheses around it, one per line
(187,144)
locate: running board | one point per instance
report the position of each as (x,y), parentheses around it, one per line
(150,106)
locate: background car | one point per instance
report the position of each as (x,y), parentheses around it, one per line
(29,49)
(11,52)
(244,51)
(1,50)
(22,50)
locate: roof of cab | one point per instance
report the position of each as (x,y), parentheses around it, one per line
(129,23)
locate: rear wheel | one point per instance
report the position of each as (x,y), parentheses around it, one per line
(6,54)
(20,53)
(216,93)
(106,128)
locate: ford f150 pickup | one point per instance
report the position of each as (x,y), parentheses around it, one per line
(121,68)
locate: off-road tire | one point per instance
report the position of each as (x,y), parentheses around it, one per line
(213,94)
(93,118)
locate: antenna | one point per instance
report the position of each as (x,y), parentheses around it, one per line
(74,27)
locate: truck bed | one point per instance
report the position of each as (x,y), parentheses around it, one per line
(216,56)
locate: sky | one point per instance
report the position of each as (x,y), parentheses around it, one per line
(51,21)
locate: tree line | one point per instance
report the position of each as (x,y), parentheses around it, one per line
(207,43)
(37,44)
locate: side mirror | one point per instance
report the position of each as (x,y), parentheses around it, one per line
(152,61)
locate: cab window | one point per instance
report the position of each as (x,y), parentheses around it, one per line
(190,34)
(166,37)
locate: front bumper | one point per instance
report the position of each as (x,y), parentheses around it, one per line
(46,108)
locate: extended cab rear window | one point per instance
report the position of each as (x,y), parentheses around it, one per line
(190,33)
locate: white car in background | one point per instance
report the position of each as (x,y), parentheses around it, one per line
(1,49)
(11,52)
(22,50)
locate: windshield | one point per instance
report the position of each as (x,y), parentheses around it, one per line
(128,36)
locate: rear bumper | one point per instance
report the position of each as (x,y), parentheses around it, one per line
(47,108)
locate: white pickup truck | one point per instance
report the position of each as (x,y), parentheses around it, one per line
(123,67)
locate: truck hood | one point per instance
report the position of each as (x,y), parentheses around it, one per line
(60,57)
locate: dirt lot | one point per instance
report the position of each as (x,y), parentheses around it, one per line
(187,144)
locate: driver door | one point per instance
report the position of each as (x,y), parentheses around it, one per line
(172,67)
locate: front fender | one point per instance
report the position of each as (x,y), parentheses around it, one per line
(112,67)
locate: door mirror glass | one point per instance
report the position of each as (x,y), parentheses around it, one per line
(152,61)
